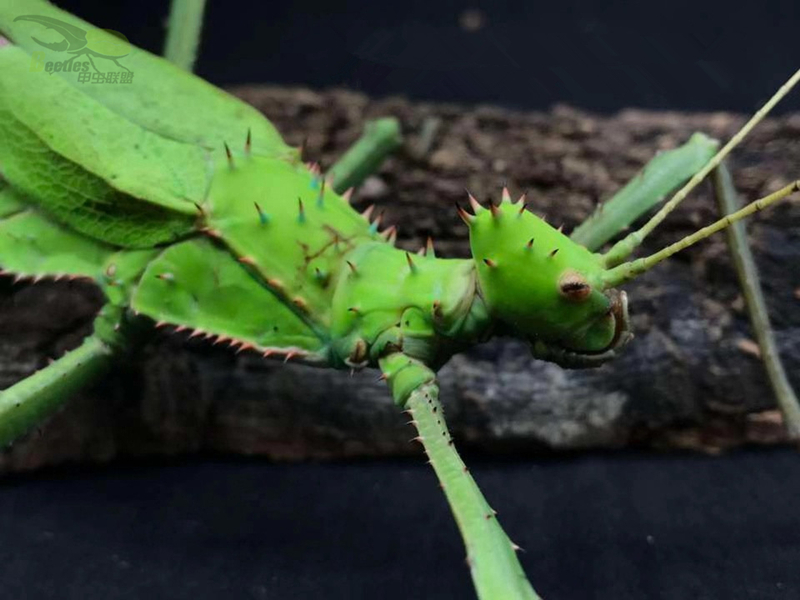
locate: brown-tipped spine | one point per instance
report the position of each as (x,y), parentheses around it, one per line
(465,216)
(302,149)
(248,143)
(228,154)
(410,262)
(490,263)
(388,232)
(301,211)
(429,250)
(476,206)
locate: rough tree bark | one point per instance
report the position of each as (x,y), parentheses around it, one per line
(690,379)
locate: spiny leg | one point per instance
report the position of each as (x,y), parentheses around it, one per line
(32,248)
(728,202)
(491,556)
(29,402)
(183,32)
(380,138)
(659,177)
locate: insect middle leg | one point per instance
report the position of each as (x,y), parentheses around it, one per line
(380,138)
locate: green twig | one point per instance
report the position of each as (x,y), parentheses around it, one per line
(729,202)
(183,32)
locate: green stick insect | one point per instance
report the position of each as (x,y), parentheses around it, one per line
(188,210)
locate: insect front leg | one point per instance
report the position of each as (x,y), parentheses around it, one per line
(491,556)
(663,174)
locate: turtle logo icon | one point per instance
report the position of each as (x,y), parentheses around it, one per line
(94,44)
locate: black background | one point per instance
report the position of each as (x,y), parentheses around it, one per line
(594,526)
(603,56)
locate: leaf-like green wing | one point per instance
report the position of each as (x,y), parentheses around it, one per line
(33,247)
(90,168)
(160,97)
(123,162)
(10,202)
(196,285)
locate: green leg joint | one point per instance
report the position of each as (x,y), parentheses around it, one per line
(380,138)
(491,556)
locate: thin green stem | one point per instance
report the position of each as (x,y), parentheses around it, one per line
(183,32)
(380,138)
(658,178)
(622,249)
(631,270)
(728,202)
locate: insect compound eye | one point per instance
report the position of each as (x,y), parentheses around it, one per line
(574,287)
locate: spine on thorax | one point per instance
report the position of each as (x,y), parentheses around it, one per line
(390,300)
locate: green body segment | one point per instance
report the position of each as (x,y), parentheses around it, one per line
(197,286)
(135,187)
(390,300)
(288,227)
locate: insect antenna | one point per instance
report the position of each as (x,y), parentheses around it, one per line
(630,270)
(622,249)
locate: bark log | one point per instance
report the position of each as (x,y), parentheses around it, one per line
(690,379)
